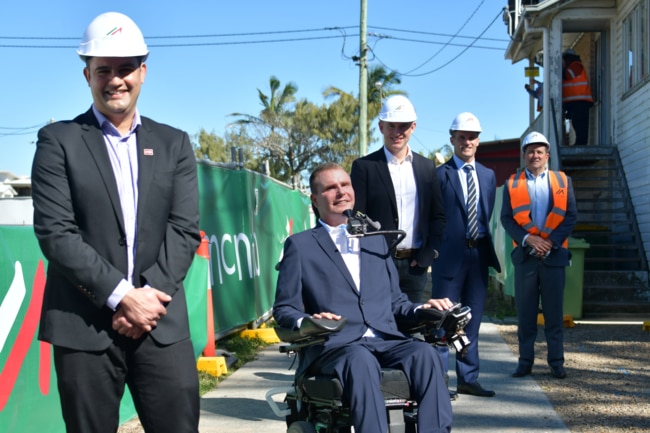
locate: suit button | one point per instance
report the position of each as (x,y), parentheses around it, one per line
(122,242)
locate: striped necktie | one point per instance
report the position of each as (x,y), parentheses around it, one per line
(472,200)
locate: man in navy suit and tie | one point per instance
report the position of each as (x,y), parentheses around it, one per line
(326,274)
(461,271)
(399,189)
(116,215)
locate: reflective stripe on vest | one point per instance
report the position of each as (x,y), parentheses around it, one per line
(521,208)
(576,88)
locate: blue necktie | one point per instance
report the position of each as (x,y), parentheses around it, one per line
(472,200)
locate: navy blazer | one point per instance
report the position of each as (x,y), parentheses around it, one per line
(79,225)
(454,239)
(375,196)
(314,279)
(559,256)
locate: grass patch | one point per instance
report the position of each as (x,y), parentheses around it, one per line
(497,304)
(245,350)
(207,382)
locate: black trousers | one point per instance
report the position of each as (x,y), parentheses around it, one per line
(578,112)
(163,381)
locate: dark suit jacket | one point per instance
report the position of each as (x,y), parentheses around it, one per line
(453,247)
(79,225)
(375,196)
(314,279)
(559,256)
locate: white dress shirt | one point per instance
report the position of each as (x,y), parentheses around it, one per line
(406,198)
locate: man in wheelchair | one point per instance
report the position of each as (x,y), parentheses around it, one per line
(327,274)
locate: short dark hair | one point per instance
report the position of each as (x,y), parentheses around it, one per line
(314,174)
(318,170)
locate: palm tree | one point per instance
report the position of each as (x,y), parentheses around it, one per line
(275,106)
(380,86)
(273,117)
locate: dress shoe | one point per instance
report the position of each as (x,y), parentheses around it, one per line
(522,371)
(474,389)
(453,395)
(558,372)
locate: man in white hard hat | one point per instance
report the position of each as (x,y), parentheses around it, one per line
(461,271)
(539,213)
(116,215)
(399,188)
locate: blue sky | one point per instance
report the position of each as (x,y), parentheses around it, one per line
(198,86)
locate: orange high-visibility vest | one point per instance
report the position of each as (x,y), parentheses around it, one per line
(521,209)
(577,87)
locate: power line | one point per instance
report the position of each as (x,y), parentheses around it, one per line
(449,41)
(21,128)
(24,130)
(467,47)
(234,35)
(439,34)
(218,35)
(441,43)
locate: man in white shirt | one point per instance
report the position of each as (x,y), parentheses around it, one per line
(399,189)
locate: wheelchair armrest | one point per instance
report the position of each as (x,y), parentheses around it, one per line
(452,321)
(310,328)
(447,319)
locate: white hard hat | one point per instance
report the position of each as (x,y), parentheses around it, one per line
(465,122)
(112,34)
(534,138)
(399,109)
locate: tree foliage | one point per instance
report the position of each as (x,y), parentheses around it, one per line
(294,136)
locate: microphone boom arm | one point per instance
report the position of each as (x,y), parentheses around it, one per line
(358,227)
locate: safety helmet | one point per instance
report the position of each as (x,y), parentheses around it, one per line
(465,122)
(534,138)
(399,109)
(112,34)
(569,52)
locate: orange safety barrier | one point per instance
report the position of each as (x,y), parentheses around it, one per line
(204,251)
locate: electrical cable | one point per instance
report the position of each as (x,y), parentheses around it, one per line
(449,41)
(467,47)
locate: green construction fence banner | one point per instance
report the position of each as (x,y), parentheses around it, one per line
(246,246)
(246,218)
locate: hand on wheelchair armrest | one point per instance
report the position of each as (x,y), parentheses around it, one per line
(451,321)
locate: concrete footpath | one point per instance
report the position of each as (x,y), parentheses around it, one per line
(238,405)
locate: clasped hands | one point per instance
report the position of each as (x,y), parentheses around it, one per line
(540,245)
(139,312)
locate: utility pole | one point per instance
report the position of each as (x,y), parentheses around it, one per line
(363,82)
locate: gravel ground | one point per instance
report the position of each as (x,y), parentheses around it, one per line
(607,388)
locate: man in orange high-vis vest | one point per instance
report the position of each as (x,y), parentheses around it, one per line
(576,95)
(539,213)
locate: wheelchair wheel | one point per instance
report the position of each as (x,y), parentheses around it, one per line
(301,427)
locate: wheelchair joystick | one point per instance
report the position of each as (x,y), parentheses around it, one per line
(452,322)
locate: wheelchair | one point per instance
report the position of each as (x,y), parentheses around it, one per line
(314,403)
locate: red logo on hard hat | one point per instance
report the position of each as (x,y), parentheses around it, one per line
(115,31)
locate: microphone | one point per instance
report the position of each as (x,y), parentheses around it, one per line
(374,224)
(361,218)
